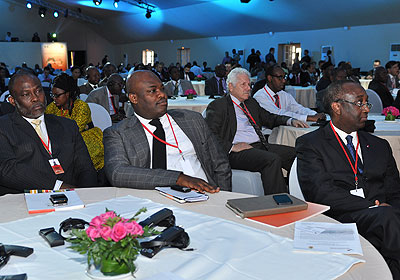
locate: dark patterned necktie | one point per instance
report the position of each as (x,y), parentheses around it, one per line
(352,151)
(176,90)
(221,87)
(255,126)
(159,158)
(277,101)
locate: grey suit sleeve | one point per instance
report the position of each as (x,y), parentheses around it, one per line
(123,167)
(92,98)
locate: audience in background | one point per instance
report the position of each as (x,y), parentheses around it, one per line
(270,56)
(371,73)
(235,57)
(294,76)
(275,100)
(306,58)
(8,37)
(187,74)
(75,73)
(46,76)
(308,77)
(236,120)
(227,58)
(66,104)
(93,78)
(329,58)
(216,85)
(176,86)
(325,81)
(108,69)
(253,59)
(195,69)
(109,96)
(338,74)
(392,67)
(379,85)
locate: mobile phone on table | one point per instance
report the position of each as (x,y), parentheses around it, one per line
(58,199)
(282,199)
(180,188)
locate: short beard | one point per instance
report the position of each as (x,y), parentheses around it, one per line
(28,114)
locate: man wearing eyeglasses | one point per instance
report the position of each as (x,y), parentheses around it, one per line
(40,151)
(274,99)
(353,172)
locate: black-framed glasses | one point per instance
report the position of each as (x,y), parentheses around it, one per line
(358,103)
(280,77)
(54,96)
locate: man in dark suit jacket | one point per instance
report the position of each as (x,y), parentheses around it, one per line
(378,84)
(93,77)
(230,122)
(217,84)
(25,156)
(192,157)
(176,86)
(326,172)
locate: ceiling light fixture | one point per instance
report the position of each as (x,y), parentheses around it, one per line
(116,3)
(28,5)
(245,1)
(42,12)
(148,14)
(97,2)
(55,14)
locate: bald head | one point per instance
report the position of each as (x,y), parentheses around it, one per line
(146,93)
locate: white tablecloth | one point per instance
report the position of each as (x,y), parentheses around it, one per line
(198,104)
(220,244)
(287,135)
(199,87)
(303,95)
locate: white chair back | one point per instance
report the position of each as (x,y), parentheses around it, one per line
(100,117)
(375,100)
(294,186)
(81,81)
(247,182)
(83,97)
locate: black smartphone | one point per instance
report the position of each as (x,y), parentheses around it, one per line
(180,188)
(282,199)
(58,199)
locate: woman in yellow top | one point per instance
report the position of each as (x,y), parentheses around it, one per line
(67,105)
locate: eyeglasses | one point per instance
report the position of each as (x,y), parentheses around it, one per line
(280,77)
(358,103)
(55,96)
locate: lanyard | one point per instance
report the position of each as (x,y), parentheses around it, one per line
(47,147)
(63,113)
(247,113)
(354,168)
(273,100)
(164,142)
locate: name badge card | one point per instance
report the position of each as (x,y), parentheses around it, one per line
(56,166)
(358,192)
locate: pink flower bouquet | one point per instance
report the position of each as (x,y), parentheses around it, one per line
(390,113)
(111,242)
(190,92)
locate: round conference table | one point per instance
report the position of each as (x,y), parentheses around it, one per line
(198,104)
(199,87)
(13,207)
(306,96)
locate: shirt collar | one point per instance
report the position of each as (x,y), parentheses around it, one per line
(235,99)
(147,121)
(343,134)
(30,120)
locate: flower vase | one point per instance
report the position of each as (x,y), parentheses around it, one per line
(390,117)
(111,267)
(189,96)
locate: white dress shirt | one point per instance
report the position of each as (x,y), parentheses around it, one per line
(288,105)
(190,165)
(343,136)
(244,130)
(46,140)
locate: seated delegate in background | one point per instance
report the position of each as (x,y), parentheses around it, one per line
(378,84)
(217,85)
(76,73)
(236,119)
(159,148)
(108,70)
(326,79)
(93,78)
(392,67)
(109,96)
(338,74)
(367,192)
(31,141)
(177,86)
(187,75)
(273,99)
(67,105)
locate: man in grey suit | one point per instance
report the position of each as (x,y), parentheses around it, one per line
(108,96)
(176,86)
(155,148)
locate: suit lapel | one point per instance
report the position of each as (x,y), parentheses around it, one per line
(365,150)
(136,131)
(231,115)
(333,142)
(27,128)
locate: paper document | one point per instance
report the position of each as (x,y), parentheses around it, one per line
(327,237)
(182,197)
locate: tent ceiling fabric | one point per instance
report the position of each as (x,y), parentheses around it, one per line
(186,19)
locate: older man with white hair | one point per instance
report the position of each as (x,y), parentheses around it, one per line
(236,119)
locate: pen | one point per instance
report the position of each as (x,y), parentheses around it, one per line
(373,206)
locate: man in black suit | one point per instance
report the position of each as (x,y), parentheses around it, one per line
(217,84)
(40,151)
(361,187)
(236,119)
(93,78)
(378,84)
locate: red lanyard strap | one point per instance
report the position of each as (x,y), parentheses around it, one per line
(246,112)
(354,168)
(47,147)
(161,140)
(273,100)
